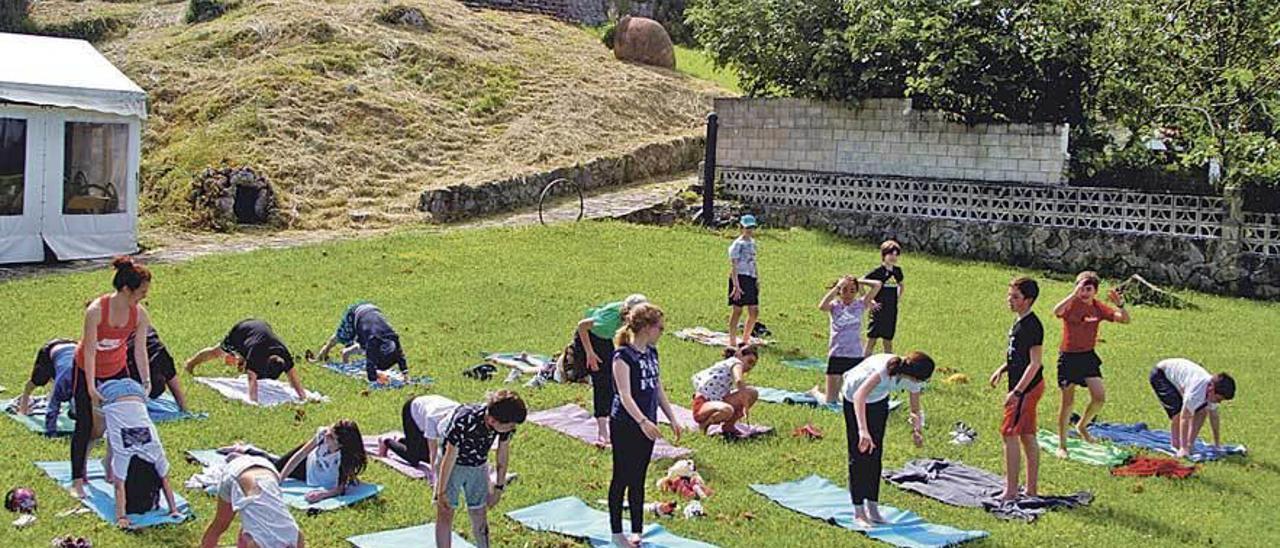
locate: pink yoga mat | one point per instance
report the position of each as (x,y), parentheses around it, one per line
(686,421)
(575,421)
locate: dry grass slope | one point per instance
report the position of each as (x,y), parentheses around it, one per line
(345,113)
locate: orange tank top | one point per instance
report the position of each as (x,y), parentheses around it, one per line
(112,351)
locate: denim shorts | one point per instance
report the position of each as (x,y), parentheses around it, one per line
(470,481)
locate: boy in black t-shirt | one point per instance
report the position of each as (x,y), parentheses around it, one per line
(255,349)
(1023,363)
(884,313)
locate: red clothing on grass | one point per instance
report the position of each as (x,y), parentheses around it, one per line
(1154,466)
(112,350)
(1080,324)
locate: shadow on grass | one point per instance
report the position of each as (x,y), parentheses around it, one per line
(1140,524)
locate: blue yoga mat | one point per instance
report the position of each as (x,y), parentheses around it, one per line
(162,409)
(808,364)
(101,496)
(356,369)
(295,492)
(776,395)
(420,536)
(570,516)
(816,497)
(1137,435)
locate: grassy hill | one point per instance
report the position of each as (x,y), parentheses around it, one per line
(345,112)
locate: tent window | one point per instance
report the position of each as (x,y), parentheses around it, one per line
(95,168)
(13,165)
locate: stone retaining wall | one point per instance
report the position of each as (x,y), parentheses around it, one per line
(461,201)
(1214,266)
(587,12)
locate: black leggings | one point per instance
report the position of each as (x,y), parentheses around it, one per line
(413,447)
(631,453)
(83,433)
(299,472)
(601,380)
(864,468)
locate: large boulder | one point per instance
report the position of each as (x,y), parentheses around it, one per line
(643,41)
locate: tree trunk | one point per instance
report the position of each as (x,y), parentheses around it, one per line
(13,15)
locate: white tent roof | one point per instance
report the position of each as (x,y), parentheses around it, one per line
(65,73)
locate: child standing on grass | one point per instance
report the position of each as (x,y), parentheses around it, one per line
(884,312)
(844,350)
(463,468)
(633,420)
(593,342)
(866,411)
(1078,364)
(1023,363)
(744,287)
(135,460)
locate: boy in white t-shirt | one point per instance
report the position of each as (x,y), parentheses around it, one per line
(1189,393)
(135,460)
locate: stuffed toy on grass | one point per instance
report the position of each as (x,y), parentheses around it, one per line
(683,479)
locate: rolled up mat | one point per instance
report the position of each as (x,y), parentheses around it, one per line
(816,497)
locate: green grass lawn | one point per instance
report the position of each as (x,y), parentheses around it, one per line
(455,294)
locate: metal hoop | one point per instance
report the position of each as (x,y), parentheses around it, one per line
(546,190)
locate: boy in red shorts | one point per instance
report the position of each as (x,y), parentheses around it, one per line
(1026,385)
(1078,364)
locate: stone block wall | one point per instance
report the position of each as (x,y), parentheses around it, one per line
(885,137)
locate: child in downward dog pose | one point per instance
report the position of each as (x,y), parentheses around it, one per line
(135,460)
(845,303)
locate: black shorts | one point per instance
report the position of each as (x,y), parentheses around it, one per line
(162,370)
(1166,392)
(1075,367)
(750,292)
(837,365)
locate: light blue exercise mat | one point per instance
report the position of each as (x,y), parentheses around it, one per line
(101,496)
(571,516)
(295,492)
(162,409)
(356,370)
(807,364)
(777,395)
(419,536)
(816,497)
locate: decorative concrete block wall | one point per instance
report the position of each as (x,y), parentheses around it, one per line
(885,137)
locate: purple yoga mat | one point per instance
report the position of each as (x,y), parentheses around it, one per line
(393,460)
(685,417)
(575,421)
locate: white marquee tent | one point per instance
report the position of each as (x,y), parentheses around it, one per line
(70,143)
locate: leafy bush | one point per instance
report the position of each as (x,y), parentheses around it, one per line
(13,15)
